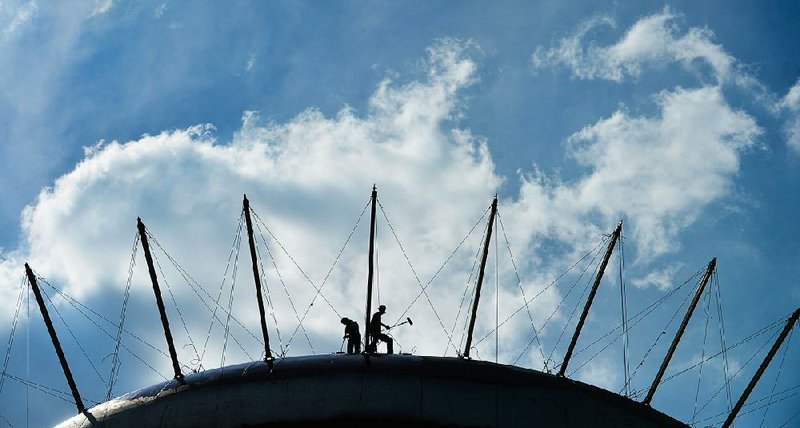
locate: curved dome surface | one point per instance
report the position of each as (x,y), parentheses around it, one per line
(376,390)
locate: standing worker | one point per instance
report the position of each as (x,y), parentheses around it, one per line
(353,336)
(375,332)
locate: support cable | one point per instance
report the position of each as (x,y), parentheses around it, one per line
(377,269)
(268,295)
(634,321)
(197,361)
(496,303)
(414,271)
(330,271)
(542,291)
(624,305)
(522,291)
(235,245)
(10,342)
(72,334)
(746,339)
(464,298)
(194,286)
(447,260)
(791,418)
(80,307)
(707,302)
(564,299)
(571,316)
(115,362)
(28,357)
(722,339)
(666,326)
(6,421)
(65,396)
(777,376)
(302,272)
(787,329)
(749,360)
(285,289)
(230,305)
(751,405)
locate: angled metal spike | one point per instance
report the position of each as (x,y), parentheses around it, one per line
(614,237)
(706,276)
(56,344)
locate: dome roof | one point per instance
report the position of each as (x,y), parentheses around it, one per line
(390,390)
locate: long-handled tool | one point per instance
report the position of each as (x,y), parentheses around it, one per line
(407,321)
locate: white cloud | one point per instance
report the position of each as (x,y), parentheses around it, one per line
(653,41)
(18,16)
(102,7)
(659,172)
(663,279)
(159,11)
(310,177)
(603,373)
(251,61)
(791,104)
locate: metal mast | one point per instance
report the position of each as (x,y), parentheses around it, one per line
(706,276)
(585,313)
(480,277)
(54,338)
(786,329)
(371,267)
(257,278)
(159,301)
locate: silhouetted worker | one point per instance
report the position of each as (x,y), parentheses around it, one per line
(375,332)
(353,336)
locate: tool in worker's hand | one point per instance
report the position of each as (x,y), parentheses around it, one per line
(407,321)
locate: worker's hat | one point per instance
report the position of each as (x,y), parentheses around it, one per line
(382,307)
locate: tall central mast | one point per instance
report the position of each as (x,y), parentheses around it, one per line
(257,279)
(374,200)
(480,277)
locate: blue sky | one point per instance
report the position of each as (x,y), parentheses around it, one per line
(682,119)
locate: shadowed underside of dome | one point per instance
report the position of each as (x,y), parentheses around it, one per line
(378,390)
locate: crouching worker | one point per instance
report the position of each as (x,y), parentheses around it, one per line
(353,336)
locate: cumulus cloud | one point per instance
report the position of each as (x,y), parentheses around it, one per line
(791,104)
(102,7)
(653,41)
(310,178)
(659,172)
(16,17)
(663,279)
